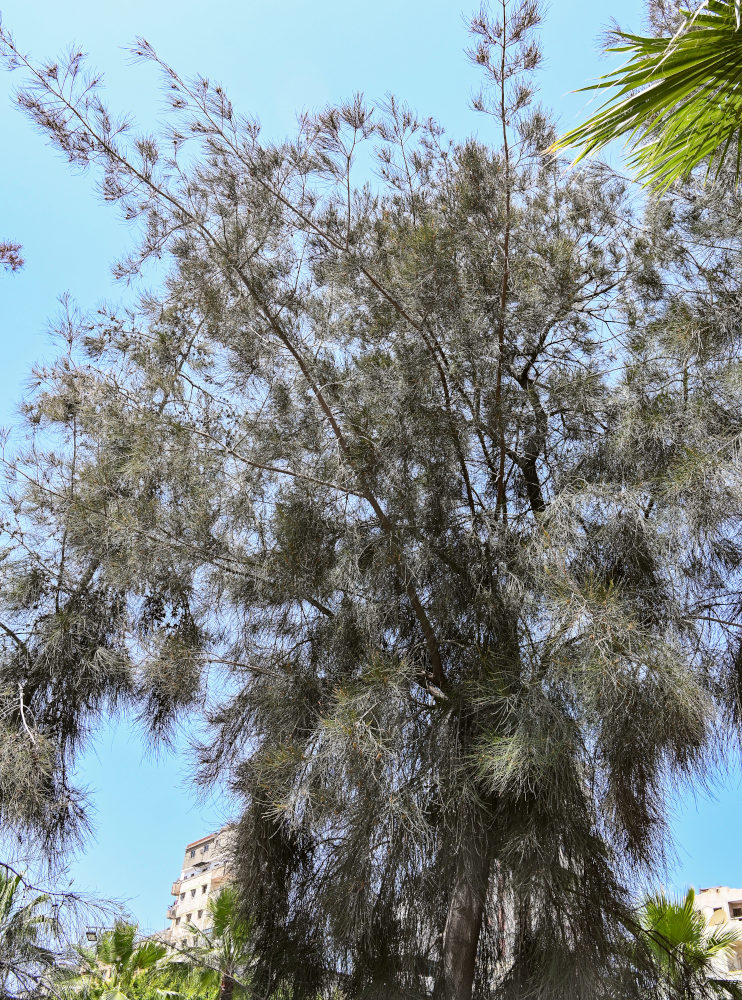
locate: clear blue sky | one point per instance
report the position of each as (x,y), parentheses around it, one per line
(274,59)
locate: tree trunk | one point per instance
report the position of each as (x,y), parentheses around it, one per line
(226,987)
(464,920)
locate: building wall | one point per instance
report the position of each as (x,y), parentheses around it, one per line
(722,907)
(203,872)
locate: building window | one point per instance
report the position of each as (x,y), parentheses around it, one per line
(182,895)
(203,889)
(200,914)
(177,921)
(735,909)
(188,917)
(193,892)
(193,853)
(206,847)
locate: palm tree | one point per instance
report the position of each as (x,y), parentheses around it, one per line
(117,966)
(27,931)
(677,100)
(222,955)
(685,952)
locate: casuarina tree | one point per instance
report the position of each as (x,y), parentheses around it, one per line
(421,482)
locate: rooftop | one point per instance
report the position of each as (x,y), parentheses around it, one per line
(195,843)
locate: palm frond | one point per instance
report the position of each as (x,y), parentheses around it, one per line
(677,101)
(726,988)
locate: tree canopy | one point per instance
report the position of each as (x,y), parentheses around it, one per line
(422,487)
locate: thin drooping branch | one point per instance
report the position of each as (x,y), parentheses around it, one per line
(23,714)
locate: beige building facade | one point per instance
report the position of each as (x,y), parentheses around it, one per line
(722,907)
(204,872)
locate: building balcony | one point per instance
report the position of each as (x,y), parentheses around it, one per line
(175,889)
(171,912)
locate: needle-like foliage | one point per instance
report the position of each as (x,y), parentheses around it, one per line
(422,488)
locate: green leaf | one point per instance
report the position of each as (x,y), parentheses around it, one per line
(677,101)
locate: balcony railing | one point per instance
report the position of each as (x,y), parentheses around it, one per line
(171,912)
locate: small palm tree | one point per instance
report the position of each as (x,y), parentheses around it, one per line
(222,956)
(684,951)
(677,100)
(117,966)
(27,933)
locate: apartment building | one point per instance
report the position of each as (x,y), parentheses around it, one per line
(722,906)
(204,871)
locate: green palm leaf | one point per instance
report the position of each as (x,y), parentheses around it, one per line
(118,965)
(222,957)
(27,930)
(677,101)
(684,949)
